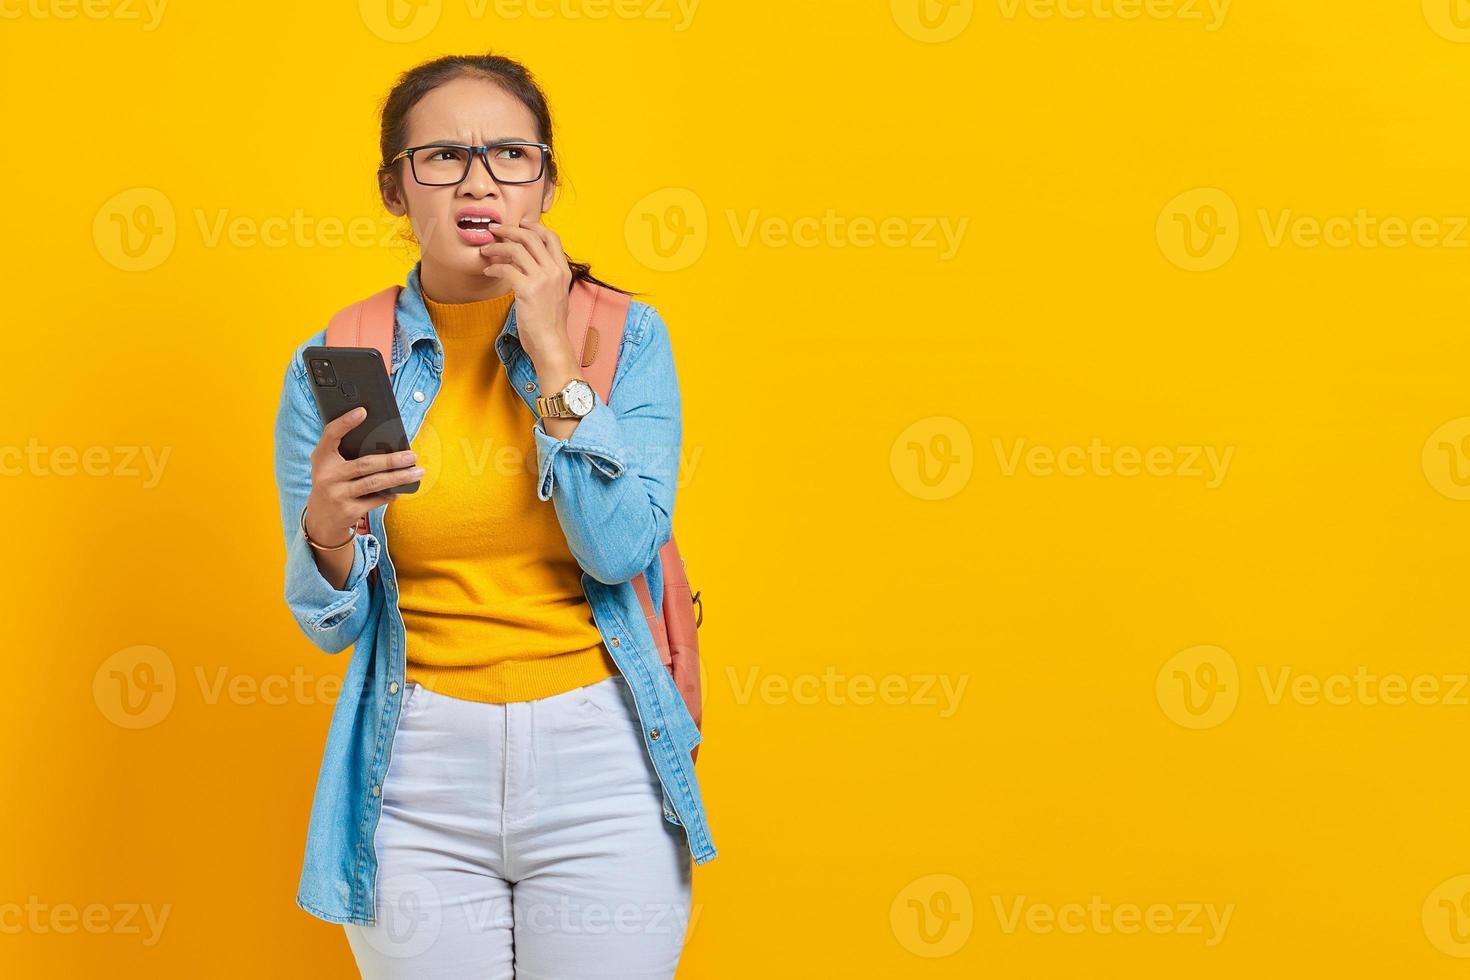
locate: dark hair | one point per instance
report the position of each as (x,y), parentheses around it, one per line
(509,74)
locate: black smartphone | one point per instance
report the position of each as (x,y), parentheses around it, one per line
(342,378)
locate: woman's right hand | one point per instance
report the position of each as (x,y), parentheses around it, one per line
(343,490)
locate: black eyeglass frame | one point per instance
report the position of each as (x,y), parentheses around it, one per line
(482,151)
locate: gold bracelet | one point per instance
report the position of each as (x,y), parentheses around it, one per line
(320,547)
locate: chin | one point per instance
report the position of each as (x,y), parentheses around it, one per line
(460,258)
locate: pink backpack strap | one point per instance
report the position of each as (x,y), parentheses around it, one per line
(595,319)
(595,316)
(367,323)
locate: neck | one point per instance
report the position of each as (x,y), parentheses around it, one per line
(447,286)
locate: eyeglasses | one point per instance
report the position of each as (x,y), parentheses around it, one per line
(444,164)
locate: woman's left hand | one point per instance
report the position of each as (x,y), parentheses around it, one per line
(529,259)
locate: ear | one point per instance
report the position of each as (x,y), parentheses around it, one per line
(392,195)
(548,197)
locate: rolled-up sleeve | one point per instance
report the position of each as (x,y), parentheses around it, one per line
(331,618)
(613,480)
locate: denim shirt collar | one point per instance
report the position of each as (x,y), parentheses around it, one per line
(414,324)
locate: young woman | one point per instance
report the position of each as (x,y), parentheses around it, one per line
(507,787)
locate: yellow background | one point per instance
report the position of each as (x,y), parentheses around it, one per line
(852,510)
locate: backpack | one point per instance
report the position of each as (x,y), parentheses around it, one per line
(595,317)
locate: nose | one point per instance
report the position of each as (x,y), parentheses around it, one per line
(478,182)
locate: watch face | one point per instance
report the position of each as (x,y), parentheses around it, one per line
(580,398)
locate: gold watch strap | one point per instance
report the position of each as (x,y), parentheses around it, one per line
(552,406)
(555,406)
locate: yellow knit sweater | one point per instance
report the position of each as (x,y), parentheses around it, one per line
(490,593)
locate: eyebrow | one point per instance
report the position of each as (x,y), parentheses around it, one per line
(496,139)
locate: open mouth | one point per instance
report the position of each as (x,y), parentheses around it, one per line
(477,224)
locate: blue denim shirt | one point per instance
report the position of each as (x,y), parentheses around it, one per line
(612,484)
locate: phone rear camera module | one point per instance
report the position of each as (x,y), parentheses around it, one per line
(321,370)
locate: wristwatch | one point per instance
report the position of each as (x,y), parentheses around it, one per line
(572,402)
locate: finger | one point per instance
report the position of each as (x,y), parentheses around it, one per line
(553,243)
(527,239)
(535,237)
(334,430)
(511,254)
(507,247)
(547,246)
(375,501)
(376,482)
(371,463)
(510,274)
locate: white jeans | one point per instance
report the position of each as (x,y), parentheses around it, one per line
(524,840)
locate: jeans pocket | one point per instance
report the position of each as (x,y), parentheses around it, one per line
(413,699)
(600,700)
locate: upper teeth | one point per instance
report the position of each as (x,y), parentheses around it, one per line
(488,221)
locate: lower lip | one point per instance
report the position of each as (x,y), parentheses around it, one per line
(474,236)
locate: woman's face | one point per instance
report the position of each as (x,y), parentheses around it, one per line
(472,111)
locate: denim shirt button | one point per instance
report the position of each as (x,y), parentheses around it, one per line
(614,641)
(393,687)
(377,790)
(653,733)
(530,386)
(418,396)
